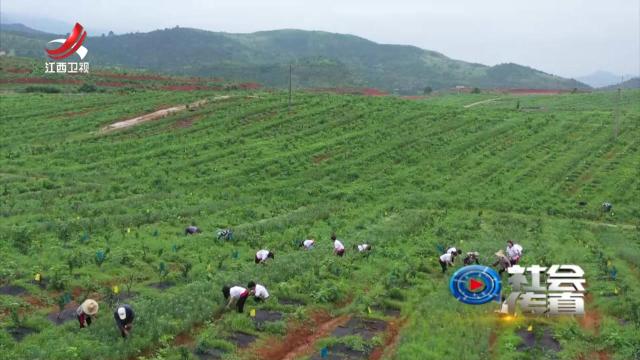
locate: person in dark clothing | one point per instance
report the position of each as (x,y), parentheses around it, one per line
(124,316)
(192,230)
(471,258)
(236,295)
(502,262)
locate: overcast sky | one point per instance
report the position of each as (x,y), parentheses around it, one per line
(565,37)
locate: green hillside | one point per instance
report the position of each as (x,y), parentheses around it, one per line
(102,215)
(633,83)
(321,59)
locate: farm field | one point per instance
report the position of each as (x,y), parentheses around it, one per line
(102,215)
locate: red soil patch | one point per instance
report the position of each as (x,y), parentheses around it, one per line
(76,292)
(300,338)
(249,86)
(591,322)
(391,340)
(35,302)
(591,319)
(184,339)
(373,92)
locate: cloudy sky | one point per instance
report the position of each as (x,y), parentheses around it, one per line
(565,37)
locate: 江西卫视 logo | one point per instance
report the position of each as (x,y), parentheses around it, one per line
(69,46)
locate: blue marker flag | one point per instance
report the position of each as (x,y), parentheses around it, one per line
(324,352)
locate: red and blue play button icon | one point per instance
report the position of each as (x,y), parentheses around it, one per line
(475,285)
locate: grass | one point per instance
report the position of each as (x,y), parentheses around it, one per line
(405,176)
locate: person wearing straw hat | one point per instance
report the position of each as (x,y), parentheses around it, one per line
(85,311)
(124,316)
(502,261)
(472,257)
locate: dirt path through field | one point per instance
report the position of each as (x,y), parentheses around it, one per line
(480,102)
(591,322)
(391,340)
(300,340)
(158,114)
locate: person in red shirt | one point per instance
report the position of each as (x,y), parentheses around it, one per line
(85,311)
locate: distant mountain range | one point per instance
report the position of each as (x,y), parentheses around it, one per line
(602,78)
(320,59)
(633,83)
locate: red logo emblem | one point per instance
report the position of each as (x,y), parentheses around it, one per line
(71,45)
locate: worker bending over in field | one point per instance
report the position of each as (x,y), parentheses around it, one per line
(236,295)
(362,247)
(471,257)
(258,291)
(453,251)
(124,316)
(338,247)
(514,252)
(308,244)
(446,260)
(263,255)
(85,311)
(502,262)
(192,230)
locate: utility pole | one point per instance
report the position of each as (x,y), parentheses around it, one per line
(616,126)
(290,70)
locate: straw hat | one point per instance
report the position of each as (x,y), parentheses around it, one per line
(500,253)
(90,307)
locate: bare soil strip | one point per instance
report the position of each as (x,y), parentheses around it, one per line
(480,102)
(300,340)
(158,114)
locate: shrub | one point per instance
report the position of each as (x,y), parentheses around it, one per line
(42,89)
(87,88)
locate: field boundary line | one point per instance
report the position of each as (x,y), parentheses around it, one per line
(158,114)
(480,102)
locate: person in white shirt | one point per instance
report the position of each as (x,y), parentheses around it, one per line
(236,295)
(514,252)
(263,255)
(363,247)
(446,260)
(338,247)
(308,244)
(453,251)
(258,291)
